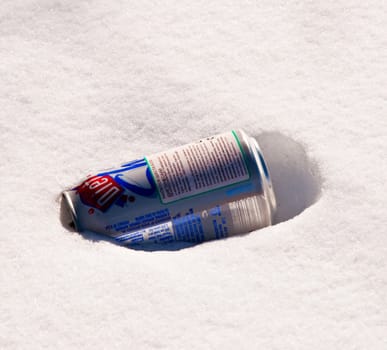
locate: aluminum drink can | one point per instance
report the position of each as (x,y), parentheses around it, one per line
(209,189)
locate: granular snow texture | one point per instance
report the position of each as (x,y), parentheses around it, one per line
(89,84)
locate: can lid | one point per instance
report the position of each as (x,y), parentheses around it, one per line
(72,218)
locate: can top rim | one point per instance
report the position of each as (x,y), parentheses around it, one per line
(71,210)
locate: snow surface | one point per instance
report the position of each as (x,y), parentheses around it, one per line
(88,84)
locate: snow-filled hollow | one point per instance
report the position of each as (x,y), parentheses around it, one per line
(296,178)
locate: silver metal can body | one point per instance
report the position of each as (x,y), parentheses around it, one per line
(212,188)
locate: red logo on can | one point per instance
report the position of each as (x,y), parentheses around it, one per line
(99,192)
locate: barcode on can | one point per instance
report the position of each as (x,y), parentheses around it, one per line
(199,167)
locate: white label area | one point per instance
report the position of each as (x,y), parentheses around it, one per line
(198,167)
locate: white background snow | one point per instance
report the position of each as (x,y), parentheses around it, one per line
(85,85)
